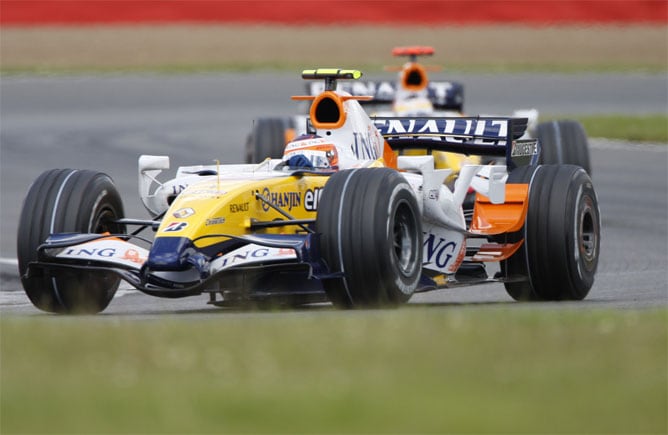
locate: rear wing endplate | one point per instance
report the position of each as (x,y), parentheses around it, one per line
(483,136)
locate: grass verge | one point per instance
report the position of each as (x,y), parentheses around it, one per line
(174,48)
(418,369)
(636,128)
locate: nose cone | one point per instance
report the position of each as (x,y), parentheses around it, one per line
(174,263)
(171,253)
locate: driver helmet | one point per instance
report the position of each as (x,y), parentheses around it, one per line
(311,151)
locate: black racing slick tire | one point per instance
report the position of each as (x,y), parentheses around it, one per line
(371,237)
(267,139)
(62,201)
(561,234)
(564,142)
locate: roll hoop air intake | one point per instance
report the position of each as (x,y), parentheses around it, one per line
(327,110)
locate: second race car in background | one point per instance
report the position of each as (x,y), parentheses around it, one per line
(414,94)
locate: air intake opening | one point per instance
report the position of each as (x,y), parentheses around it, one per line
(414,78)
(327,111)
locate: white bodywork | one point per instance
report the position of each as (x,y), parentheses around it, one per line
(359,144)
(111,251)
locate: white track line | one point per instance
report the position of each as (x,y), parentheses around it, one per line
(616,144)
(9,261)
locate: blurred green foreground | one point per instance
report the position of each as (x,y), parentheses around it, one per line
(413,370)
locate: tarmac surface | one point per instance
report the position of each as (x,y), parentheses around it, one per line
(105,122)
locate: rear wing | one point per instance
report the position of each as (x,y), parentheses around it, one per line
(483,136)
(443,95)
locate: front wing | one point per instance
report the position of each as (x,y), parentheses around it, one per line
(116,254)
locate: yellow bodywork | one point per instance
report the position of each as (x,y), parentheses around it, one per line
(216,206)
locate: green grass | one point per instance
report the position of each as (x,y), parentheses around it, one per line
(413,370)
(643,128)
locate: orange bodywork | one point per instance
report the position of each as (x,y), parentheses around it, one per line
(496,251)
(508,217)
(389,156)
(415,50)
(329,96)
(414,78)
(336,99)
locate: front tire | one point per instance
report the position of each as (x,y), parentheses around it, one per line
(61,201)
(370,231)
(561,235)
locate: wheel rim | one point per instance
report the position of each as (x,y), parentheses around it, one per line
(587,234)
(103,222)
(405,239)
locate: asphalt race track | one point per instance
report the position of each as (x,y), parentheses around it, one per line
(105,122)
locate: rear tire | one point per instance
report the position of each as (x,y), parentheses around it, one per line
(267,139)
(564,142)
(561,235)
(371,232)
(61,201)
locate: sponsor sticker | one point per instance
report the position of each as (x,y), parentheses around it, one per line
(175,227)
(524,148)
(466,127)
(134,256)
(365,145)
(443,250)
(183,213)
(311,199)
(236,208)
(284,200)
(108,251)
(178,188)
(249,254)
(215,221)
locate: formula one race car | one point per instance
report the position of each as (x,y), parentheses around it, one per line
(414,94)
(338,218)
